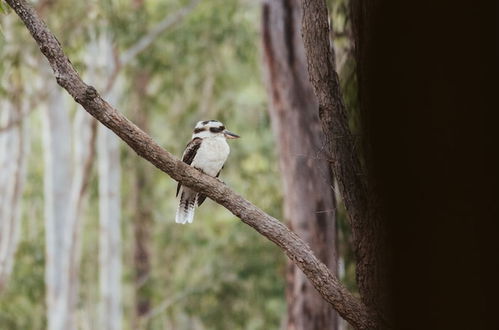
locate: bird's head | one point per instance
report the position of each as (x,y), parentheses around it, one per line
(212,128)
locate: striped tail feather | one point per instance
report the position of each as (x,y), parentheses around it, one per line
(185,209)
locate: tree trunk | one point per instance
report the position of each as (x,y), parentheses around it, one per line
(427,105)
(84,135)
(58,181)
(110,232)
(109,172)
(369,235)
(309,204)
(65,180)
(142,212)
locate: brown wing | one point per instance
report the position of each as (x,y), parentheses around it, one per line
(189,154)
(202,197)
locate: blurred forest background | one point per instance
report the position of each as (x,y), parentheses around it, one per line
(166,65)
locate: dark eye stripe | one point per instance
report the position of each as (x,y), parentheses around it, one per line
(216,129)
(197,130)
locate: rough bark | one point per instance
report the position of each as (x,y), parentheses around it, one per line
(295,248)
(309,204)
(367,232)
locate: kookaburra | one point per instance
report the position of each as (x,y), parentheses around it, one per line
(207,151)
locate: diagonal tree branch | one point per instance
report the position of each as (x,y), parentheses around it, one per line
(332,111)
(349,307)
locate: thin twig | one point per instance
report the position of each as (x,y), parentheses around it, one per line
(145,41)
(87,170)
(149,38)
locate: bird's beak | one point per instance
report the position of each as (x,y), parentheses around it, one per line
(230,135)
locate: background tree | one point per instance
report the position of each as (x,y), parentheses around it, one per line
(309,201)
(368,232)
(142,211)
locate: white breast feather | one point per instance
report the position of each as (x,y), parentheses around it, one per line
(211,155)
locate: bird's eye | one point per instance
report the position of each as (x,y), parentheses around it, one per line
(216,129)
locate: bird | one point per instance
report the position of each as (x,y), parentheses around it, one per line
(207,151)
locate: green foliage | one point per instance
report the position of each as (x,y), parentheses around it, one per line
(3,7)
(23,302)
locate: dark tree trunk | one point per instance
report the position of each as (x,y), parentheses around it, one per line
(309,204)
(368,232)
(142,212)
(426,104)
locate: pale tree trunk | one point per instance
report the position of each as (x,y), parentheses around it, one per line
(13,150)
(58,180)
(65,180)
(110,232)
(109,174)
(84,135)
(309,203)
